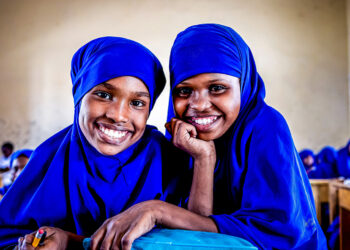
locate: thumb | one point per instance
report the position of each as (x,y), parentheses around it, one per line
(191,132)
(168,127)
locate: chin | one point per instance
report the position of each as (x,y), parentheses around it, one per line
(207,136)
(109,151)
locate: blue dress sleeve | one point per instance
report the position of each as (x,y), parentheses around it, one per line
(277,208)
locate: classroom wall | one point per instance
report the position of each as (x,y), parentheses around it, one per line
(300,47)
(348,46)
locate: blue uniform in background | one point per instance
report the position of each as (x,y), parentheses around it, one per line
(343,161)
(326,167)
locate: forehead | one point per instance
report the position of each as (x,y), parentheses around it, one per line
(209,78)
(126,83)
(20,160)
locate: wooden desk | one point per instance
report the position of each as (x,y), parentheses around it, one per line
(320,190)
(344,211)
(333,199)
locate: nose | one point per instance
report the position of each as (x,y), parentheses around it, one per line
(200,101)
(118,111)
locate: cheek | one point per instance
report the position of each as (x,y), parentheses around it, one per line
(89,111)
(140,120)
(179,106)
(87,114)
(230,105)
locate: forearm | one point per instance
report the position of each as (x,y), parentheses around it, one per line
(173,216)
(201,195)
(75,241)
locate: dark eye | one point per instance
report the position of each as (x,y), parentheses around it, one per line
(138,103)
(104,95)
(183,91)
(217,89)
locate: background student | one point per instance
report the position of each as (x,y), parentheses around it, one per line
(18,161)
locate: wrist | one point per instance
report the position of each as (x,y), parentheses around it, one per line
(75,241)
(205,160)
(158,211)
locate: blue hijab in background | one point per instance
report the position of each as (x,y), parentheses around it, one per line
(326,167)
(306,153)
(343,161)
(261,190)
(67,183)
(22,152)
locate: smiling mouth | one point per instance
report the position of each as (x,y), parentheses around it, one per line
(204,123)
(204,120)
(111,135)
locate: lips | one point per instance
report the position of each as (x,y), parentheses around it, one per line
(204,123)
(204,120)
(111,134)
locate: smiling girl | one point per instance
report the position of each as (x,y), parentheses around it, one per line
(103,163)
(256,188)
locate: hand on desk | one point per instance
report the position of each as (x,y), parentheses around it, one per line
(120,231)
(55,239)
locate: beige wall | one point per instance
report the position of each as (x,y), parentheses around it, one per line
(348,46)
(300,47)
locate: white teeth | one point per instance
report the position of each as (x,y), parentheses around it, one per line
(115,134)
(205,121)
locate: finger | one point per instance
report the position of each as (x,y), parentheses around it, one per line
(168,127)
(116,242)
(26,242)
(134,232)
(172,125)
(191,130)
(186,132)
(111,232)
(20,240)
(97,237)
(175,128)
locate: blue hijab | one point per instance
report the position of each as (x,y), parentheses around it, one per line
(326,167)
(261,190)
(22,152)
(343,161)
(304,154)
(67,183)
(15,155)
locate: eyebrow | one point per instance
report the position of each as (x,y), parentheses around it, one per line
(217,80)
(107,86)
(137,93)
(209,81)
(141,94)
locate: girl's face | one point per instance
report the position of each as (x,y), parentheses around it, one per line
(113,114)
(17,166)
(309,160)
(210,102)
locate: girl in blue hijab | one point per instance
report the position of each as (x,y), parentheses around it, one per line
(326,164)
(18,161)
(103,163)
(308,158)
(343,161)
(256,187)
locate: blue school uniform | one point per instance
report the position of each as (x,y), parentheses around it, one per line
(67,183)
(326,164)
(343,161)
(310,169)
(304,154)
(261,190)
(15,155)
(18,153)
